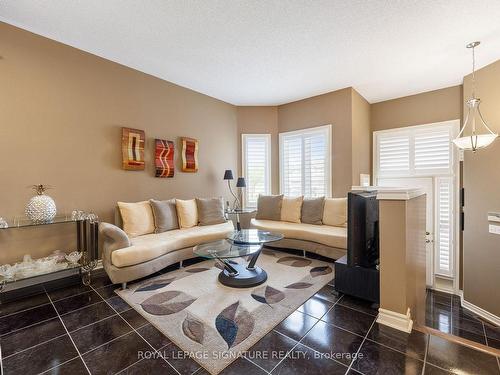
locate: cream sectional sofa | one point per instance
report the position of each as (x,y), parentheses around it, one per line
(328,239)
(130,256)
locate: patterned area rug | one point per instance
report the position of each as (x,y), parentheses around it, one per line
(215,324)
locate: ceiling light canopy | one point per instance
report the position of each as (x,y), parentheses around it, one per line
(475,140)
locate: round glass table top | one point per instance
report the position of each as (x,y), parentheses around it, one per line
(225,249)
(253,236)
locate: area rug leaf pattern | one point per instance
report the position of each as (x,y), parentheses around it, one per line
(319,271)
(194,329)
(299,285)
(200,315)
(234,324)
(167,303)
(268,295)
(156,284)
(294,261)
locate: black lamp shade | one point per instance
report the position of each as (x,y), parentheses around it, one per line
(241,183)
(228,175)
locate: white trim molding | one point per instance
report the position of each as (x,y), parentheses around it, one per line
(395,320)
(479,311)
(391,193)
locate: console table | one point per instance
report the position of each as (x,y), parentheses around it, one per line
(86,242)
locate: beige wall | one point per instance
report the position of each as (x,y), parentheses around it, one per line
(261,120)
(333,108)
(361,137)
(60,124)
(424,108)
(481,179)
(348,113)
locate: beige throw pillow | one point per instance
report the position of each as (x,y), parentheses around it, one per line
(187,213)
(291,209)
(335,212)
(269,207)
(210,211)
(312,210)
(137,218)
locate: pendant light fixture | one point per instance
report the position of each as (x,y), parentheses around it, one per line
(474,141)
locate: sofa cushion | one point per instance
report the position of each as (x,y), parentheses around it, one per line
(323,234)
(151,246)
(291,208)
(165,215)
(137,218)
(335,212)
(269,207)
(312,210)
(210,211)
(187,212)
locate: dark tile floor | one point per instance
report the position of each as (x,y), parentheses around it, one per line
(81,330)
(445,313)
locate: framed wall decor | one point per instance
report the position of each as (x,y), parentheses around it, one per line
(164,158)
(133,149)
(189,155)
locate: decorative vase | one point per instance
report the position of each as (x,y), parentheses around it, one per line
(41,208)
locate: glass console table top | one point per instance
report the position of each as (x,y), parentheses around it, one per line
(253,237)
(22,221)
(223,249)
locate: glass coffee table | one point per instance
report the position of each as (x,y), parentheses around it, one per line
(239,244)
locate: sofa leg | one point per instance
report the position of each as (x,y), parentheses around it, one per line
(304,253)
(124,286)
(181,265)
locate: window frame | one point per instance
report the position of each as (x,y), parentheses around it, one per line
(328,159)
(453,174)
(267,183)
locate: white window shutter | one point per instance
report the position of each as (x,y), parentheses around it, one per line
(315,165)
(433,151)
(393,154)
(305,162)
(256,166)
(444,238)
(292,166)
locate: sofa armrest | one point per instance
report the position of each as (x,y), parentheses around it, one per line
(114,239)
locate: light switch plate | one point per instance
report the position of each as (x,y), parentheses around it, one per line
(495,229)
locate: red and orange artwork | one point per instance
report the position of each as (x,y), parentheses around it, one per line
(189,155)
(164,158)
(133,149)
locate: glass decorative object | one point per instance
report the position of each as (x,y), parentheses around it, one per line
(41,208)
(74,257)
(3,223)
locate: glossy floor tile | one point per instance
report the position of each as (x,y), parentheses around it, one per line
(378,359)
(329,334)
(445,313)
(352,320)
(270,350)
(457,358)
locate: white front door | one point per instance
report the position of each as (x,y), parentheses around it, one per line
(427,185)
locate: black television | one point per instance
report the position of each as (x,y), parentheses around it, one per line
(362,229)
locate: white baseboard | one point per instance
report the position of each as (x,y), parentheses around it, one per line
(395,320)
(479,311)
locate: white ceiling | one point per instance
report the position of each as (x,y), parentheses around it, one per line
(267,52)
